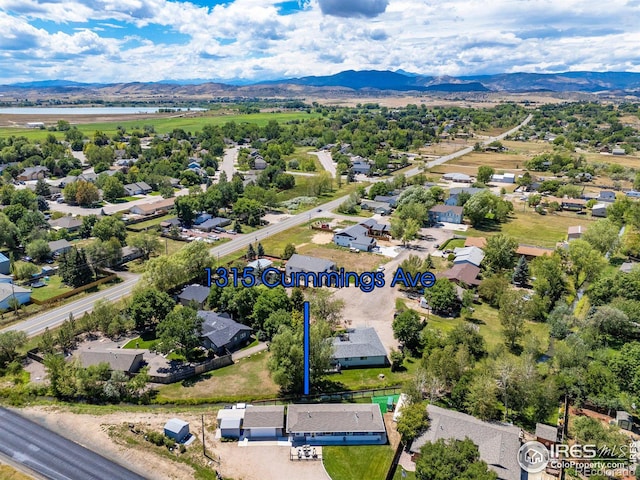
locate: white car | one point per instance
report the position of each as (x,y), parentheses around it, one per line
(380,269)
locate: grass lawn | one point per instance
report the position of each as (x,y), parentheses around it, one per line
(146,341)
(127,199)
(531,228)
(303,189)
(10,473)
(247,379)
(357,462)
(408,476)
(364,378)
(302,234)
(353,262)
(54,287)
(452,243)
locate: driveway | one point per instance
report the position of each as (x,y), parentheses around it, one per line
(229,159)
(326,160)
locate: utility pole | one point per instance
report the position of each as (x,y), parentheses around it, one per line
(204,448)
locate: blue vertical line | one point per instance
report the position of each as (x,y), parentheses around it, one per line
(306,347)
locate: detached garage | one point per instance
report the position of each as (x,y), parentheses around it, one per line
(263,422)
(177,429)
(230,422)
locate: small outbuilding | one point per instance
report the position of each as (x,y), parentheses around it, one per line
(546,434)
(177,429)
(230,422)
(624,420)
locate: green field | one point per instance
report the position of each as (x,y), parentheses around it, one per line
(146,341)
(358,462)
(164,124)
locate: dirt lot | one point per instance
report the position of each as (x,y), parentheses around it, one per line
(21,120)
(261,462)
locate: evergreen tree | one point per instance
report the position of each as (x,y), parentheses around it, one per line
(260,250)
(521,273)
(429,262)
(251,253)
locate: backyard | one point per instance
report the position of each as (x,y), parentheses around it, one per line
(54,287)
(358,462)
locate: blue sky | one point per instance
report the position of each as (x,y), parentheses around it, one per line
(244,40)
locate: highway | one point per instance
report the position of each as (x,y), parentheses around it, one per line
(53,456)
(55,317)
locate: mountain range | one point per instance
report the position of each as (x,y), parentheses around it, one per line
(591,82)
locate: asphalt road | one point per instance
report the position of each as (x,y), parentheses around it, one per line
(52,456)
(326,160)
(229,160)
(56,316)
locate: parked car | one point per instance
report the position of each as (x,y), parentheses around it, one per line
(380,269)
(231,232)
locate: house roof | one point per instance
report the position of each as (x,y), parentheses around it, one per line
(600,205)
(354,231)
(306,263)
(59,244)
(578,229)
(457,177)
(7,290)
(546,432)
(626,267)
(622,415)
(118,358)
(441,208)
(531,251)
(472,255)
(479,242)
(358,342)
(32,170)
(463,272)
(175,425)
(469,190)
(3,258)
(231,413)
(264,416)
(498,444)
(153,206)
(214,222)
(128,251)
(65,222)
(334,417)
(219,328)
(372,224)
(197,293)
(137,186)
(260,264)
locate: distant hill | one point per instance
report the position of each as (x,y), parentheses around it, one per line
(350,80)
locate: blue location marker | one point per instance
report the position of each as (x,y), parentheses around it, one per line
(306,347)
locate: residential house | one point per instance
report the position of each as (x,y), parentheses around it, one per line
(88,177)
(33,173)
(546,434)
(194,294)
(263,422)
(5,278)
(172,222)
(504,178)
(454,193)
(193,165)
(129,254)
(372,205)
(153,208)
(599,210)
(576,204)
(259,163)
(201,218)
(58,247)
(307,264)
(362,167)
(68,223)
(336,424)
(5,264)
(445,213)
(359,347)
(128,360)
(9,291)
(457,177)
(260,265)
(391,200)
(177,429)
(464,274)
(355,236)
(376,229)
(607,196)
(530,252)
(498,444)
(632,194)
(472,255)
(573,233)
(221,333)
(138,188)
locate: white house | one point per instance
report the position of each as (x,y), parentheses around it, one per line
(472,255)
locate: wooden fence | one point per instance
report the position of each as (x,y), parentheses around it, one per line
(190,371)
(51,300)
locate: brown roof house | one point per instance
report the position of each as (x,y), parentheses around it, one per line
(464,274)
(126,360)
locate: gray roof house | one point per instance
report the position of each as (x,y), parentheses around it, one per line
(194,294)
(336,424)
(33,173)
(263,422)
(355,236)
(69,223)
(58,247)
(122,359)
(359,347)
(305,263)
(472,255)
(498,444)
(212,223)
(221,333)
(138,188)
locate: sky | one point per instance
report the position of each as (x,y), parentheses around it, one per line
(111,41)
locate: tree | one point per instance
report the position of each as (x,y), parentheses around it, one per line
(447,459)
(406,329)
(289,251)
(602,235)
(560,320)
(108,227)
(482,397)
(260,250)
(442,296)
(412,422)
(484,174)
(24,270)
(323,306)
(512,306)
(42,188)
(251,253)
(149,307)
(147,243)
(521,273)
(584,262)
(500,253)
(186,208)
(248,211)
(113,189)
(10,342)
(104,254)
(38,250)
(286,363)
(74,268)
(550,282)
(269,300)
(86,193)
(180,331)
(410,230)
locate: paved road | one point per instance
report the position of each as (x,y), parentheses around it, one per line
(56,316)
(326,160)
(53,456)
(229,160)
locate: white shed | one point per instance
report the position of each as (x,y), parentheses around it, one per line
(230,422)
(176,429)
